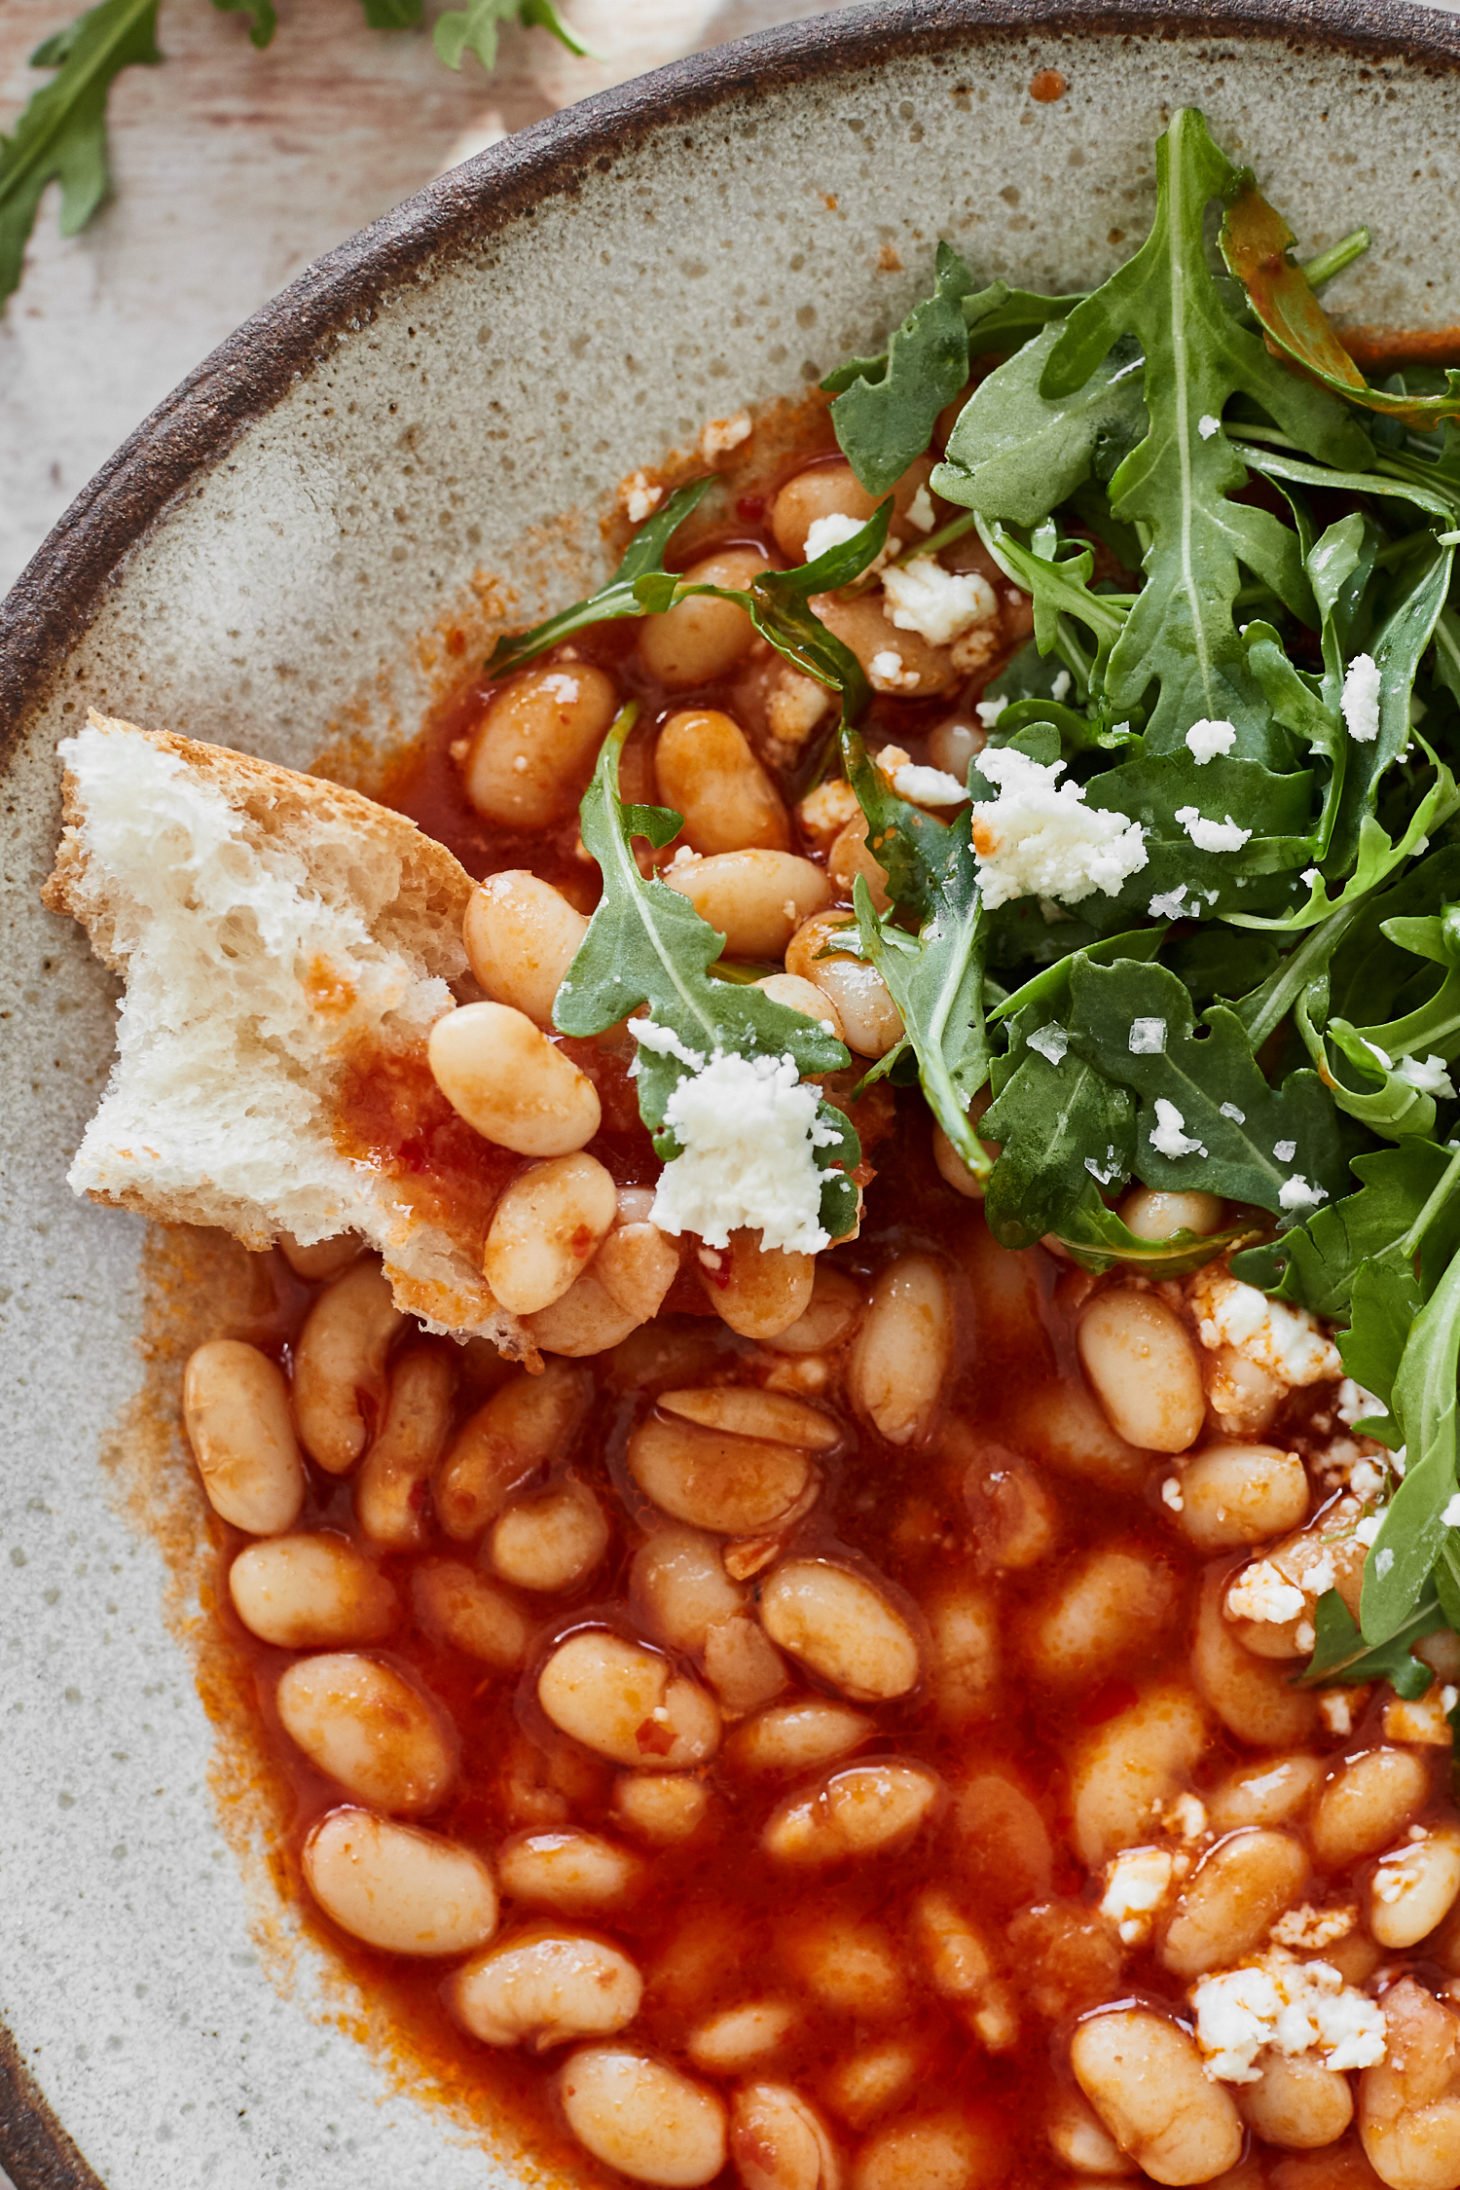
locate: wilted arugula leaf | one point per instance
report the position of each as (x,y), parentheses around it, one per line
(61,133)
(936,976)
(1180,479)
(1342,1658)
(1315,1263)
(1212,1080)
(1054,1117)
(644,554)
(646,945)
(1057,572)
(1257,245)
(474,28)
(1016,454)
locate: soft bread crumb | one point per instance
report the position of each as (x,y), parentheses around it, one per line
(264,922)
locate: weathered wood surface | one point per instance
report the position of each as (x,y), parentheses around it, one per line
(234,169)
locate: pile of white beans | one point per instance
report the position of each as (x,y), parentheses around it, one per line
(738,1713)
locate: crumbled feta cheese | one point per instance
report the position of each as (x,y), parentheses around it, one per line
(723,434)
(1311,876)
(1211,836)
(1105,1174)
(1360,701)
(1186,1819)
(833,530)
(640,496)
(1365,1480)
(1300,1193)
(1427,1075)
(1136,1884)
(1060,689)
(940,605)
(1298,2007)
(1285,1150)
(1147,1037)
(1230,1110)
(1306,1926)
(1207,425)
(1382,1054)
(1401,1871)
(1319,1575)
(1205,740)
(989,711)
(1171,1494)
(1169,1136)
(1051,1041)
(887,673)
(1287,1342)
(920,512)
(562,687)
(1262,1592)
(1450,1518)
(1423,1723)
(748,1132)
(1383,1561)
(1166,904)
(1366,1530)
(1335,1708)
(928,786)
(1354,1404)
(1039,838)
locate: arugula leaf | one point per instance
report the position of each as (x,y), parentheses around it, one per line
(1342,1658)
(262,15)
(1257,245)
(474,28)
(646,945)
(936,976)
(392,14)
(1180,479)
(61,133)
(885,415)
(643,556)
(1314,1264)
(1424,1404)
(1015,454)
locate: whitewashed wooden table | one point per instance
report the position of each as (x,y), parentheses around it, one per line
(234,169)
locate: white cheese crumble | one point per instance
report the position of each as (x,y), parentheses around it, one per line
(1360,702)
(1172,1494)
(563,687)
(1306,1926)
(1136,1884)
(1040,839)
(1169,1136)
(1051,1041)
(928,786)
(1354,1404)
(748,1133)
(723,434)
(1262,1592)
(1298,1193)
(938,604)
(920,512)
(1423,1723)
(1206,739)
(1207,425)
(1287,1342)
(833,530)
(1060,689)
(1147,1037)
(989,711)
(1298,2007)
(888,673)
(1285,1151)
(640,497)
(1211,836)
(1230,1110)
(1450,1518)
(1166,904)
(1366,1530)
(1336,1709)
(1427,1075)
(1187,1817)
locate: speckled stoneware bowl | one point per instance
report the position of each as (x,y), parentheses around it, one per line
(457,392)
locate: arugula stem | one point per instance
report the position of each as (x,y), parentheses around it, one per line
(1332,262)
(942,538)
(1264,1011)
(1444,1187)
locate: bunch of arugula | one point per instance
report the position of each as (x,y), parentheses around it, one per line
(1267,1024)
(61,136)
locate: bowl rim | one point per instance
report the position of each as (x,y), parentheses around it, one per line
(56,596)
(59,592)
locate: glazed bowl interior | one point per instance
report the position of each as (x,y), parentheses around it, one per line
(425,436)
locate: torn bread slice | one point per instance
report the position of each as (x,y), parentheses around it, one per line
(266,925)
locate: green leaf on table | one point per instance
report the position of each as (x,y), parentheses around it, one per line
(392,14)
(263,19)
(1341,1657)
(1257,243)
(474,28)
(1181,479)
(61,133)
(643,556)
(646,946)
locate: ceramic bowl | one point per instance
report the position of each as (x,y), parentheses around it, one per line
(433,417)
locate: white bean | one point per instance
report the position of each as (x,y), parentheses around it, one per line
(963,1672)
(829,1319)
(1143,1369)
(546,1229)
(1129,1769)
(679,1585)
(803,996)
(703,637)
(1144,2077)
(510,1083)
(397,1888)
(861,1810)
(392,1488)
(574,1872)
(1232,1900)
(871,1022)
(715,1480)
(1235,1495)
(552,1541)
(532,749)
(1155,1215)
(756,899)
(1271,1792)
(851,1964)
(779,2142)
(1254,1700)
(742,2037)
(745,1410)
(339,1388)
(662,1808)
(1297,2102)
(741,1664)
(795,1737)
(364,1726)
(901,1358)
(461,1607)
(758,1291)
(587,1320)
(308,1592)
(521,1428)
(236,1410)
(1414,1887)
(707,771)
(1110,1606)
(521,936)
(545,1987)
(1369,1801)
(958,2149)
(636,1265)
(626,1702)
(1409,2111)
(844,1627)
(643,2117)
(321,1259)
